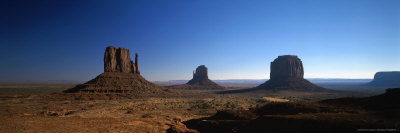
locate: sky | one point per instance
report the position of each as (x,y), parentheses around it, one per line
(235,39)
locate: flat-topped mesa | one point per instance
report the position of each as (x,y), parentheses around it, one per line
(118,60)
(287,67)
(386,79)
(388,75)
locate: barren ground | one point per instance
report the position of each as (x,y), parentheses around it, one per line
(27,108)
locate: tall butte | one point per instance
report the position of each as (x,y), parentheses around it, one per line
(287,73)
(121,76)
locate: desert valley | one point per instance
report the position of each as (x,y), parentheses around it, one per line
(199,66)
(121,100)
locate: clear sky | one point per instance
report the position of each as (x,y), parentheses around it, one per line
(235,39)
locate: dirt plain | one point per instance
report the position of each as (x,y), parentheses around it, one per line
(38,108)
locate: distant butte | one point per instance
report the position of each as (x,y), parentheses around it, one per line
(199,81)
(287,73)
(121,77)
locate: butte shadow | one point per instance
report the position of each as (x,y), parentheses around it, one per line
(387,101)
(287,73)
(199,81)
(121,78)
(327,116)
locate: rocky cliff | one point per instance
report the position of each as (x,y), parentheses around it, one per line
(287,74)
(118,60)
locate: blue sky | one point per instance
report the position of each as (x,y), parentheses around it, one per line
(235,39)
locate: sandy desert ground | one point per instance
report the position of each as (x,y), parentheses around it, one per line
(38,108)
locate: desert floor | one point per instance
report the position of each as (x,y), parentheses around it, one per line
(32,108)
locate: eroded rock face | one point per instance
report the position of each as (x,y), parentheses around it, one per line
(287,66)
(118,60)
